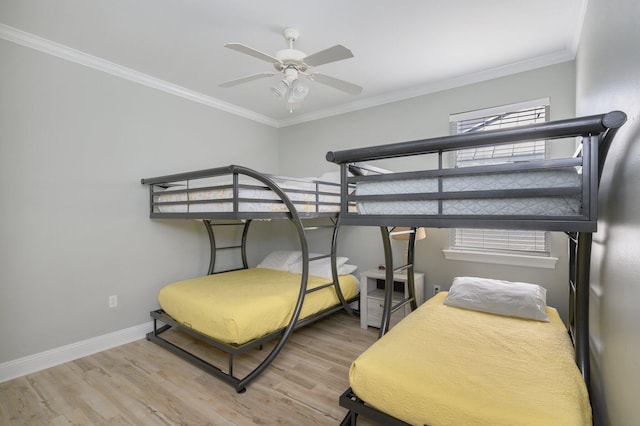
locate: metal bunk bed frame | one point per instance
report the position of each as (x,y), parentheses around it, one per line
(597,133)
(244,219)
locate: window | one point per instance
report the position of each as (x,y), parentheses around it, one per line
(499,240)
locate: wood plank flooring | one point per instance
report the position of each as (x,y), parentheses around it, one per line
(141,383)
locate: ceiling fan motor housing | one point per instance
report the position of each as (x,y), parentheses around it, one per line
(290,74)
(290,57)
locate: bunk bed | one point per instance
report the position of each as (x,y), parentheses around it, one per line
(413,374)
(238,309)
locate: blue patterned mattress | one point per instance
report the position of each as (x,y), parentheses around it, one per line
(553,205)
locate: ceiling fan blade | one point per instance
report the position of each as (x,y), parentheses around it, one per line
(332,54)
(238,47)
(345,86)
(246,79)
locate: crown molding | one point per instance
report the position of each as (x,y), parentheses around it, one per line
(61,51)
(434,87)
(582,13)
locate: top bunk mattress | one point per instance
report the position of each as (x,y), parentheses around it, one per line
(239,306)
(218,196)
(236,192)
(449,366)
(565,180)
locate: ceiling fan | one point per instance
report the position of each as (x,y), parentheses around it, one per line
(293,64)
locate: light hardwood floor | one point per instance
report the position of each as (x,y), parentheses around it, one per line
(141,383)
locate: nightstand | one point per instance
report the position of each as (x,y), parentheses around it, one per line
(372,296)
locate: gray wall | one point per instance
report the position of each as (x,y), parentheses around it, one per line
(423,117)
(75,229)
(608,78)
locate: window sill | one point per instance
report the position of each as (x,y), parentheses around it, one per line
(544,262)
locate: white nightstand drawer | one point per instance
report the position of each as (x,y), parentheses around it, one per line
(374,309)
(372,296)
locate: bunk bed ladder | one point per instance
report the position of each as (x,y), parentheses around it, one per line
(389,307)
(242,247)
(334,225)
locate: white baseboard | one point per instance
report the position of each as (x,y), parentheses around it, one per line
(32,363)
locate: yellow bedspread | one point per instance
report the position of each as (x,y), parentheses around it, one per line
(239,306)
(449,366)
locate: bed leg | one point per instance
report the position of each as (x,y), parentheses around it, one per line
(349,419)
(155,329)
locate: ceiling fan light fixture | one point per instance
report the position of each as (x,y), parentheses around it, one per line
(280,89)
(298,91)
(292,106)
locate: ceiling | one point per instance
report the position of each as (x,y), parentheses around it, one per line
(401,48)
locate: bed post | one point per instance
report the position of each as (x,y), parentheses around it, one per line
(389,307)
(334,267)
(388,282)
(411,282)
(212,245)
(581,314)
(581,250)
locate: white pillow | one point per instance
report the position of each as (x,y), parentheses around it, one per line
(507,298)
(280,259)
(320,267)
(347,269)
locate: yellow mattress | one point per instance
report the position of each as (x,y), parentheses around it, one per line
(240,306)
(449,366)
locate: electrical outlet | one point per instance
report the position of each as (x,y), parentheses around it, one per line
(113,301)
(436,289)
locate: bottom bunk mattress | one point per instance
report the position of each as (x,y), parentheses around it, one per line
(239,306)
(444,365)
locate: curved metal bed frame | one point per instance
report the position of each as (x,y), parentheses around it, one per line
(244,219)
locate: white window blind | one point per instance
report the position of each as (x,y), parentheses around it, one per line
(500,240)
